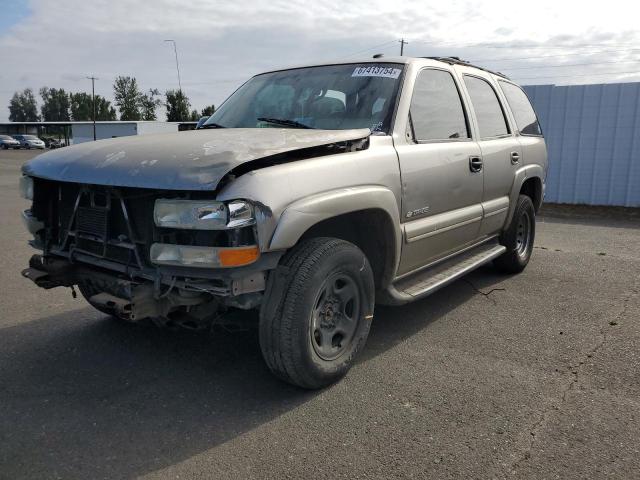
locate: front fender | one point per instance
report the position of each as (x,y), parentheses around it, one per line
(301,215)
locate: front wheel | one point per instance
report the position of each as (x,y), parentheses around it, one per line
(518,238)
(317,312)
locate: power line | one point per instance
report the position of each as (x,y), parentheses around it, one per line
(552,56)
(581,75)
(511,46)
(568,65)
(370,48)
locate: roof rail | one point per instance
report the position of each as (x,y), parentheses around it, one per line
(458,61)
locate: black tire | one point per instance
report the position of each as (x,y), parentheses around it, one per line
(518,238)
(5,147)
(310,332)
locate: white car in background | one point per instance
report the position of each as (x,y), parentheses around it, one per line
(29,141)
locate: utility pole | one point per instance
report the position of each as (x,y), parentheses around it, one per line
(93,98)
(175,50)
(402,44)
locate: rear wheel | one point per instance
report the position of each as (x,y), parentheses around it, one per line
(317,313)
(518,238)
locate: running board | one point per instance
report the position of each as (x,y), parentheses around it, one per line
(428,281)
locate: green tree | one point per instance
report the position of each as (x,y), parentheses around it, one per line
(208,110)
(23,107)
(195,116)
(132,103)
(148,104)
(55,105)
(177,105)
(82,107)
(127,97)
(104,110)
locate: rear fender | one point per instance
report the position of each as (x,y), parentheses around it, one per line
(522,175)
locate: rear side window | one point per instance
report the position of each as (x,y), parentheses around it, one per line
(436,108)
(525,116)
(489,114)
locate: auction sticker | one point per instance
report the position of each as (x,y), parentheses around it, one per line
(376,71)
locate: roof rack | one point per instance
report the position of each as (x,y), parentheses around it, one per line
(458,61)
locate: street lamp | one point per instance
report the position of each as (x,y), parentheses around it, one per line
(93,98)
(175,50)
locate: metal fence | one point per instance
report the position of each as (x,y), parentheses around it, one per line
(593,139)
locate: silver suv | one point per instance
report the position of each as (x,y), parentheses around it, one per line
(310,195)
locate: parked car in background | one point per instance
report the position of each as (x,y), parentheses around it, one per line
(53,143)
(310,195)
(7,141)
(29,141)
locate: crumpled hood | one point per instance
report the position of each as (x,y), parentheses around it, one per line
(193,160)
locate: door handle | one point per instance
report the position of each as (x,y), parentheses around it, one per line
(475,163)
(515,158)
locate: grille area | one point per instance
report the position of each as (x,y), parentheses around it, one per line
(116,224)
(92,220)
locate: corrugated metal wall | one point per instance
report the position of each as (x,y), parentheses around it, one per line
(593,139)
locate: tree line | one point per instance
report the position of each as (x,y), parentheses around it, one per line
(131,101)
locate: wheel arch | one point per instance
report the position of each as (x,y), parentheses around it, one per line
(528,181)
(365,216)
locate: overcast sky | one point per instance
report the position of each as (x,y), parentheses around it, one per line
(222,43)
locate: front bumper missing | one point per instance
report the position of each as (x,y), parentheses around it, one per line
(137,298)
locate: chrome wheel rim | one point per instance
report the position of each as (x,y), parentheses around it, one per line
(523,234)
(335,316)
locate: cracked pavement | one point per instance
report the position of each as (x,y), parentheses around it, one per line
(528,376)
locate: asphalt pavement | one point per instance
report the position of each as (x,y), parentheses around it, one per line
(529,376)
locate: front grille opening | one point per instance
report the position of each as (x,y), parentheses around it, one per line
(117,223)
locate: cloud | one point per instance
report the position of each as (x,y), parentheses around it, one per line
(221,43)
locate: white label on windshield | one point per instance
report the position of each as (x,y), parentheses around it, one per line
(376,71)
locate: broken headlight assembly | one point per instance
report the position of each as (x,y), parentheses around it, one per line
(203,215)
(26,187)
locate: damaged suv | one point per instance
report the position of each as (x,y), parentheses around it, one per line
(310,195)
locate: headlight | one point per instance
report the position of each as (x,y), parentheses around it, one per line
(202,215)
(207,257)
(26,187)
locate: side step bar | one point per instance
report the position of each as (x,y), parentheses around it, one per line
(428,281)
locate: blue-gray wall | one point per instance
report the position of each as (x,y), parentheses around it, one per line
(593,139)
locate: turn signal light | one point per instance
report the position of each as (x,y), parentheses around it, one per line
(236,257)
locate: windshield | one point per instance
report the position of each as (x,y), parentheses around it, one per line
(30,137)
(333,97)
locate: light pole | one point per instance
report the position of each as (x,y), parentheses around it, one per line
(175,50)
(93,99)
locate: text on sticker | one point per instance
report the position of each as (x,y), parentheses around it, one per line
(376,71)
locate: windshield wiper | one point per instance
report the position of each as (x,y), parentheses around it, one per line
(283,121)
(211,125)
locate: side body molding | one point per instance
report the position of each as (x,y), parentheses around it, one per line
(301,215)
(521,175)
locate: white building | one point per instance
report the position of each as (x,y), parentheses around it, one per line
(83,131)
(79,132)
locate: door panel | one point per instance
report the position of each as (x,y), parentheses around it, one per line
(499,172)
(442,198)
(501,151)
